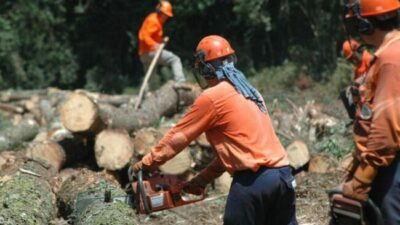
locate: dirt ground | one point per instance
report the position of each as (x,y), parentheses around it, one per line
(312,204)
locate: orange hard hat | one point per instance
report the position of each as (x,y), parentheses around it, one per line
(214,47)
(165,7)
(349,47)
(378,7)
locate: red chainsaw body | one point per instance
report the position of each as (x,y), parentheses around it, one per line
(161,191)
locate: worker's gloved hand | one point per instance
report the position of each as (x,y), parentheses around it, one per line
(166,39)
(195,186)
(139,166)
(351,168)
(360,185)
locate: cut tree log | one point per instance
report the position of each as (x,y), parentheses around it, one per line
(25,194)
(11,108)
(92,206)
(58,150)
(298,154)
(17,134)
(51,152)
(82,199)
(165,102)
(15,95)
(179,164)
(115,100)
(322,163)
(145,139)
(113,149)
(223,183)
(80,114)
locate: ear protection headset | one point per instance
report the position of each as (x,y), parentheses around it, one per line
(363,25)
(204,68)
(208,69)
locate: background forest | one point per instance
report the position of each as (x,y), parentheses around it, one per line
(93,44)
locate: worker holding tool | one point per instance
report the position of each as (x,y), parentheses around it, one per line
(150,38)
(361,58)
(375,170)
(233,115)
(356,54)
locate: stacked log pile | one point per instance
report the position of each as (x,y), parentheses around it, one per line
(83,142)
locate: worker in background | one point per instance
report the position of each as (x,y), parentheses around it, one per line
(376,166)
(361,58)
(234,118)
(150,38)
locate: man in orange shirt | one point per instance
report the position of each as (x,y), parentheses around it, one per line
(150,38)
(234,118)
(361,58)
(376,165)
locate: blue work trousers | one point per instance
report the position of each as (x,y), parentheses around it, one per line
(265,197)
(385,192)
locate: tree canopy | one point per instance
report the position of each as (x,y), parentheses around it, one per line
(93,44)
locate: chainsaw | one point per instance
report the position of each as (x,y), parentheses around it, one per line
(160,191)
(347,211)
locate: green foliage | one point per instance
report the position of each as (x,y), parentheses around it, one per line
(275,77)
(93,44)
(35,51)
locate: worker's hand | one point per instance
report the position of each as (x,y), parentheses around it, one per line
(356,190)
(166,39)
(359,186)
(195,186)
(139,166)
(351,168)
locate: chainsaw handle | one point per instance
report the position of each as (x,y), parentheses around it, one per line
(142,192)
(369,203)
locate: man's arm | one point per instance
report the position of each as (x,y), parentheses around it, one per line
(384,134)
(200,117)
(148,29)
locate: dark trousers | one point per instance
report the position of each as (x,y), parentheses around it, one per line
(385,192)
(263,198)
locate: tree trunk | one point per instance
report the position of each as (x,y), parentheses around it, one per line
(12,136)
(80,114)
(113,149)
(165,102)
(25,194)
(59,151)
(14,95)
(82,199)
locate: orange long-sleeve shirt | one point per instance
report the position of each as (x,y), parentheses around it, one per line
(150,33)
(378,138)
(241,135)
(362,68)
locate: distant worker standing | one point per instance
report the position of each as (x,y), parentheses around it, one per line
(150,38)
(376,165)
(361,58)
(234,118)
